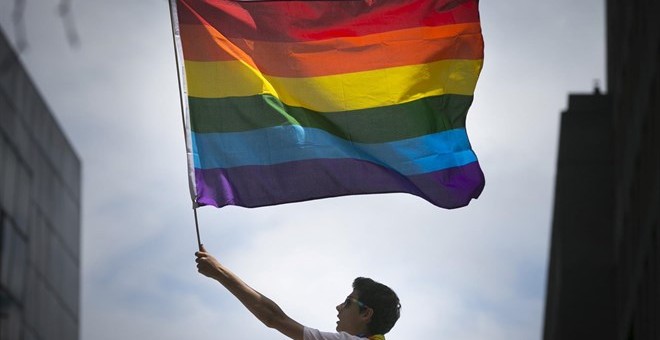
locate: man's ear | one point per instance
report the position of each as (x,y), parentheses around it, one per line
(366,314)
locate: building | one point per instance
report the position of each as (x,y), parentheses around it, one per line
(40,191)
(581,254)
(604,270)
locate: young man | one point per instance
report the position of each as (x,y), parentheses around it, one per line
(370,311)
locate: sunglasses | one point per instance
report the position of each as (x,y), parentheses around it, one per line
(350,300)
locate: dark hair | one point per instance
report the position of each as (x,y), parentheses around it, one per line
(382,300)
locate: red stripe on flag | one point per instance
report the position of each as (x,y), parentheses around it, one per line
(316,20)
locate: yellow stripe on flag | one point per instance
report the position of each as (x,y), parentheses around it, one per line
(349,91)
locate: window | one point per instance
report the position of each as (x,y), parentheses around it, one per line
(8,180)
(22,198)
(10,321)
(13,260)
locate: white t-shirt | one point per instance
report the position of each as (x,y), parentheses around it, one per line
(315,334)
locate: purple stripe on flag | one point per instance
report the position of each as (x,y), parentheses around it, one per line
(255,186)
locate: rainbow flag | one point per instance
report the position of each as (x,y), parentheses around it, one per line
(287,101)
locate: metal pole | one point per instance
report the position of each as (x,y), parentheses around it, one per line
(174,20)
(199,241)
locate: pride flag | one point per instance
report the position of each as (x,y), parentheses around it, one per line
(288,101)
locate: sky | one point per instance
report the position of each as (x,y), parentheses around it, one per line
(477,272)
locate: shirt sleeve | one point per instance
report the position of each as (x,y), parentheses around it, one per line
(315,334)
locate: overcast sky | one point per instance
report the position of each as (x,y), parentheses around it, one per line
(478,272)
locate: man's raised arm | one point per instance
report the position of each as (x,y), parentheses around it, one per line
(262,307)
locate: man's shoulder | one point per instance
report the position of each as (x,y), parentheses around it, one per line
(315,334)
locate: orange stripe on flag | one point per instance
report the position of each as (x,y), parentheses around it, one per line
(412,46)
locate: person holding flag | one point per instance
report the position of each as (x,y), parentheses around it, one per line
(289,101)
(369,311)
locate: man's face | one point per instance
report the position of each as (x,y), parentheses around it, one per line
(351,320)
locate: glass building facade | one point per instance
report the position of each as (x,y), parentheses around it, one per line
(39,214)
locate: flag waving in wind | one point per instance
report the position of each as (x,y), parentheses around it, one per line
(287,101)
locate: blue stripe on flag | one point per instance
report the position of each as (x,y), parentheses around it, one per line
(289,143)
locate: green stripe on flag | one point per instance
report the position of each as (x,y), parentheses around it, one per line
(374,125)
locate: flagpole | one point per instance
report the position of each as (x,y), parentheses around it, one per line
(172,3)
(199,241)
(174,23)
